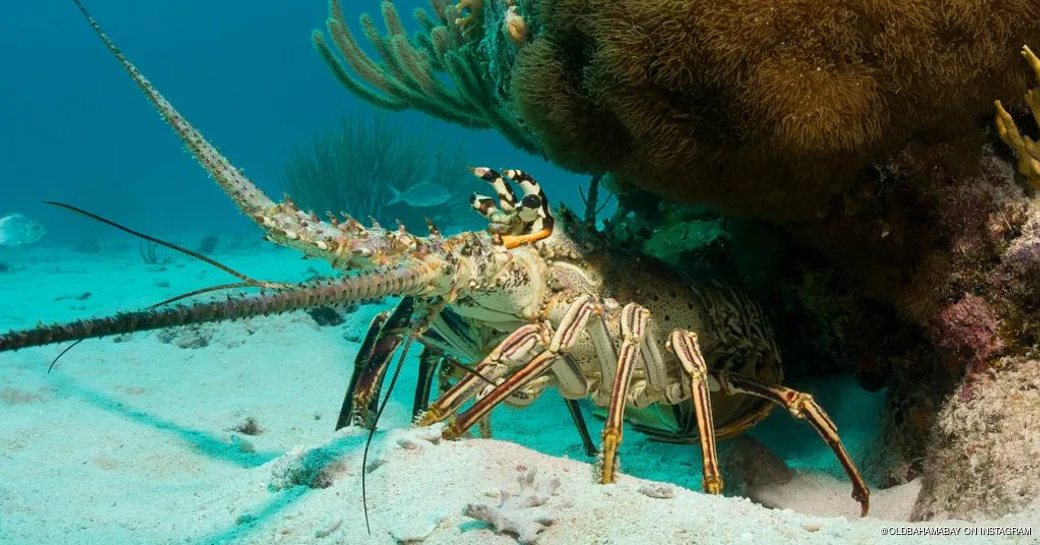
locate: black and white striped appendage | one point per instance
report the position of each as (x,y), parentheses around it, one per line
(525,220)
(534,206)
(485,206)
(505,193)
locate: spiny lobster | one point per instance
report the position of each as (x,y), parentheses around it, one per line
(555,307)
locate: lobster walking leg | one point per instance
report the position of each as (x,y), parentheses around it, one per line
(636,328)
(574,409)
(688,351)
(563,339)
(385,334)
(634,321)
(515,346)
(429,362)
(801,405)
(361,363)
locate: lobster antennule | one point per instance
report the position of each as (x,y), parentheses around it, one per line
(401,281)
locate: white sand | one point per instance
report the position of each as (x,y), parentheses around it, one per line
(132,442)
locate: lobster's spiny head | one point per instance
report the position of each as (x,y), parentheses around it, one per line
(376,248)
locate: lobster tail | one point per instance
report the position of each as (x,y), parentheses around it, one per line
(403,281)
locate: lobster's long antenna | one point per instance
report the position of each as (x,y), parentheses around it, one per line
(157,305)
(246,282)
(284,224)
(247,196)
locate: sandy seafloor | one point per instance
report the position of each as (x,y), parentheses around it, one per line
(133,441)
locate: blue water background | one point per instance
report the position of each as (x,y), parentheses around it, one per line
(74,128)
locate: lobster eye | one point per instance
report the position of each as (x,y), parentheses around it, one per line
(531,201)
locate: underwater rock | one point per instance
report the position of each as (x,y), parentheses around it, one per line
(748,464)
(246,425)
(657,490)
(325,316)
(985,457)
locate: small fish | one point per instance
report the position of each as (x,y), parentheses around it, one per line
(16,229)
(421,195)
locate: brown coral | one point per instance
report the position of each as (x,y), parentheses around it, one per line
(768,109)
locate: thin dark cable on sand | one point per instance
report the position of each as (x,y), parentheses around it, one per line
(375,424)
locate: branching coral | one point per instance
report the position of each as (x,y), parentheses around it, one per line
(356,169)
(408,72)
(1028,150)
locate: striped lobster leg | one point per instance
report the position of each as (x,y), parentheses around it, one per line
(535,349)
(385,335)
(801,405)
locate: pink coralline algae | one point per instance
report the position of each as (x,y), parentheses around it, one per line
(1023,255)
(968,328)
